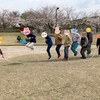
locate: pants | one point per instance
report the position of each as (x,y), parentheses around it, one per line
(89,48)
(74,47)
(66,52)
(83,49)
(30,45)
(99,50)
(48,50)
(58,49)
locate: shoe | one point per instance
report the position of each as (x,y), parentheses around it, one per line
(49,58)
(83,57)
(65,58)
(59,56)
(32,48)
(75,54)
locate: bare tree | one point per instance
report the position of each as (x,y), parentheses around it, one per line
(93,20)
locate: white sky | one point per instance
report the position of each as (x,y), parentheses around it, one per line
(23,5)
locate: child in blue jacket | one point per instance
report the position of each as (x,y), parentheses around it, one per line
(49,43)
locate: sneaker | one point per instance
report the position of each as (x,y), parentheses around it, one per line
(59,56)
(83,57)
(32,48)
(49,58)
(65,58)
(75,54)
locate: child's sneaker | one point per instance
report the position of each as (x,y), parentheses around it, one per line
(49,58)
(59,56)
(32,48)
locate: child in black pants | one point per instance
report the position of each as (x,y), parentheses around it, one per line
(98,44)
(83,43)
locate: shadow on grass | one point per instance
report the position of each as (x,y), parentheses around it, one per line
(52,60)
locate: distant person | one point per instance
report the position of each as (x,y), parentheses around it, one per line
(98,43)
(90,39)
(75,41)
(58,41)
(83,44)
(49,43)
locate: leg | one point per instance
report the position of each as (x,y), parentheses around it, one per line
(31,45)
(58,50)
(83,52)
(27,45)
(73,48)
(89,48)
(48,51)
(99,50)
(66,52)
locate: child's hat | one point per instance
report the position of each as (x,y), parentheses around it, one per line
(88,29)
(73,30)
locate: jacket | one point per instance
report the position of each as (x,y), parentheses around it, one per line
(48,40)
(32,37)
(98,42)
(90,37)
(58,39)
(76,37)
(84,41)
(67,40)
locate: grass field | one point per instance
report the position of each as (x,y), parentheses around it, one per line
(33,77)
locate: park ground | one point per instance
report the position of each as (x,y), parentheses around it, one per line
(28,75)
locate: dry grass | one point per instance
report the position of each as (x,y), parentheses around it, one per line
(33,77)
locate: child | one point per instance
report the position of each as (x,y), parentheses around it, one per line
(98,43)
(67,44)
(49,43)
(76,41)
(58,41)
(31,37)
(1,53)
(84,44)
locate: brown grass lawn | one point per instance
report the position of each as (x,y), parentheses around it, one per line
(32,77)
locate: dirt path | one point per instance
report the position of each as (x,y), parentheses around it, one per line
(12,51)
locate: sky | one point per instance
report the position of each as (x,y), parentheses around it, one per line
(24,5)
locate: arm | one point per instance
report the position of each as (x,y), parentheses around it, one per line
(86,42)
(60,36)
(78,38)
